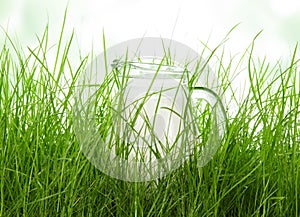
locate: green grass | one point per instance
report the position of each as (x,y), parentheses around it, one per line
(43,172)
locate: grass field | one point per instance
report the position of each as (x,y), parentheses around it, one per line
(43,173)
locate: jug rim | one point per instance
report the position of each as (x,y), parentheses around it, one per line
(144,69)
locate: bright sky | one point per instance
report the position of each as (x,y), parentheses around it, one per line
(188,21)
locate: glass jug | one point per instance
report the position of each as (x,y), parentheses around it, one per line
(157,109)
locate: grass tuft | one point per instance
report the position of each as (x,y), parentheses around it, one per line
(43,172)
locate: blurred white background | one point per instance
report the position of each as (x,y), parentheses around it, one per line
(188,21)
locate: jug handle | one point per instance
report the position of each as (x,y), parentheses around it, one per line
(219,121)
